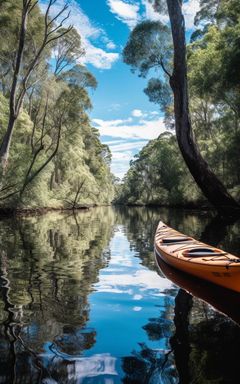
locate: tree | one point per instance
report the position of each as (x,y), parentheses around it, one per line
(67,50)
(21,80)
(208,182)
(53,146)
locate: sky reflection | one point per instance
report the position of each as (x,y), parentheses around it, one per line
(86,303)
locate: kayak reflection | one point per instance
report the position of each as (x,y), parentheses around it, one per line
(222,299)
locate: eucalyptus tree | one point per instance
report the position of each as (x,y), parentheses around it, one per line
(56,157)
(25,63)
(67,50)
(214,58)
(149,46)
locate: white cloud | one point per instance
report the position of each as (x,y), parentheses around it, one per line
(137,297)
(113,142)
(119,167)
(137,309)
(190,8)
(128,146)
(121,156)
(149,11)
(150,14)
(137,113)
(144,279)
(114,123)
(127,138)
(96,56)
(145,130)
(132,279)
(124,11)
(111,45)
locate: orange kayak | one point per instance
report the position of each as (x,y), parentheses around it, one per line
(196,258)
(224,300)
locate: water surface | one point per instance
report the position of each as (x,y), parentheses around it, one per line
(83,301)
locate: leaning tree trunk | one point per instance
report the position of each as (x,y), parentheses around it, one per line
(207,181)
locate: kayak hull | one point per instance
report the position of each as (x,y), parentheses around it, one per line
(222,268)
(207,291)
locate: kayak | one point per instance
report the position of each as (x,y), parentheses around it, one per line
(196,258)
(224,300)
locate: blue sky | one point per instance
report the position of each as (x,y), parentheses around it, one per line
(121,111)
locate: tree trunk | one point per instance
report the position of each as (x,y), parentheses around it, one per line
(13,104)
(4,149)
(207,181)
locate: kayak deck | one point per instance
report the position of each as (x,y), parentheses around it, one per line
(197,258)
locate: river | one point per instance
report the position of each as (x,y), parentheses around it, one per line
(83,301)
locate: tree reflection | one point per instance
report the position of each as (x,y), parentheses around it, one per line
(48,267)
(203,347)
(148,367)
(213,234)
(141,224)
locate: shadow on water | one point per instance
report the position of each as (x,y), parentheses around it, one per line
(214,232)
(50,267)
(204,344)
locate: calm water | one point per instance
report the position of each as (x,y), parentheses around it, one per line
(82,301)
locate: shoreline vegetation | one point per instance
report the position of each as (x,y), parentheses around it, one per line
(197,86)
(52,158)
(50,154)
(23,212)
(9,212)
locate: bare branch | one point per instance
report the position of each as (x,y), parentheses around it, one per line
(33,6)
(80,186)
(29,178)
(60,35)
(164,68)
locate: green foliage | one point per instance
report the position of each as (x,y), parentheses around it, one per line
(160,175)
(159,93)
(56,157)
(214,87)
(150,46)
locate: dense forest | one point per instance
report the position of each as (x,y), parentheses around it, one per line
(213,59)
(51,156)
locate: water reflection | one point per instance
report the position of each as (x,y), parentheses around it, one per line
(48,267)
(83,301)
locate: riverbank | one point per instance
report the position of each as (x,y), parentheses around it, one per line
(5,212)
(10,211)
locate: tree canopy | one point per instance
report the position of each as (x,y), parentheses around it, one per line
(213,80)
(54,157)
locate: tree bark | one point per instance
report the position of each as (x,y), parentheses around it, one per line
(207,181)
(4,149)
